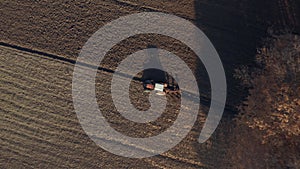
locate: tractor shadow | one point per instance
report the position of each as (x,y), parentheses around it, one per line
(156,75)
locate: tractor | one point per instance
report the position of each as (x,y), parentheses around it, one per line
(160,88)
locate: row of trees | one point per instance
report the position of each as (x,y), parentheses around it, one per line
(266,133)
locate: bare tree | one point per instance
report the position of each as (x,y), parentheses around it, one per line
(267,130)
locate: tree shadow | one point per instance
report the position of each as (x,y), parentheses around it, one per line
(236,28)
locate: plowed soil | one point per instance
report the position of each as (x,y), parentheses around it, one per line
(40,41)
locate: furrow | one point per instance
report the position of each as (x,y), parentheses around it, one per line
(13,113)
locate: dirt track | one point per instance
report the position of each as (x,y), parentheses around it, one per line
(39,127)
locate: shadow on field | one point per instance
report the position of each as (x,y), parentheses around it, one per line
(236,28)
(154,74)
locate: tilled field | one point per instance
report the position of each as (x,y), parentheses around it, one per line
(39,126)
(40,41)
